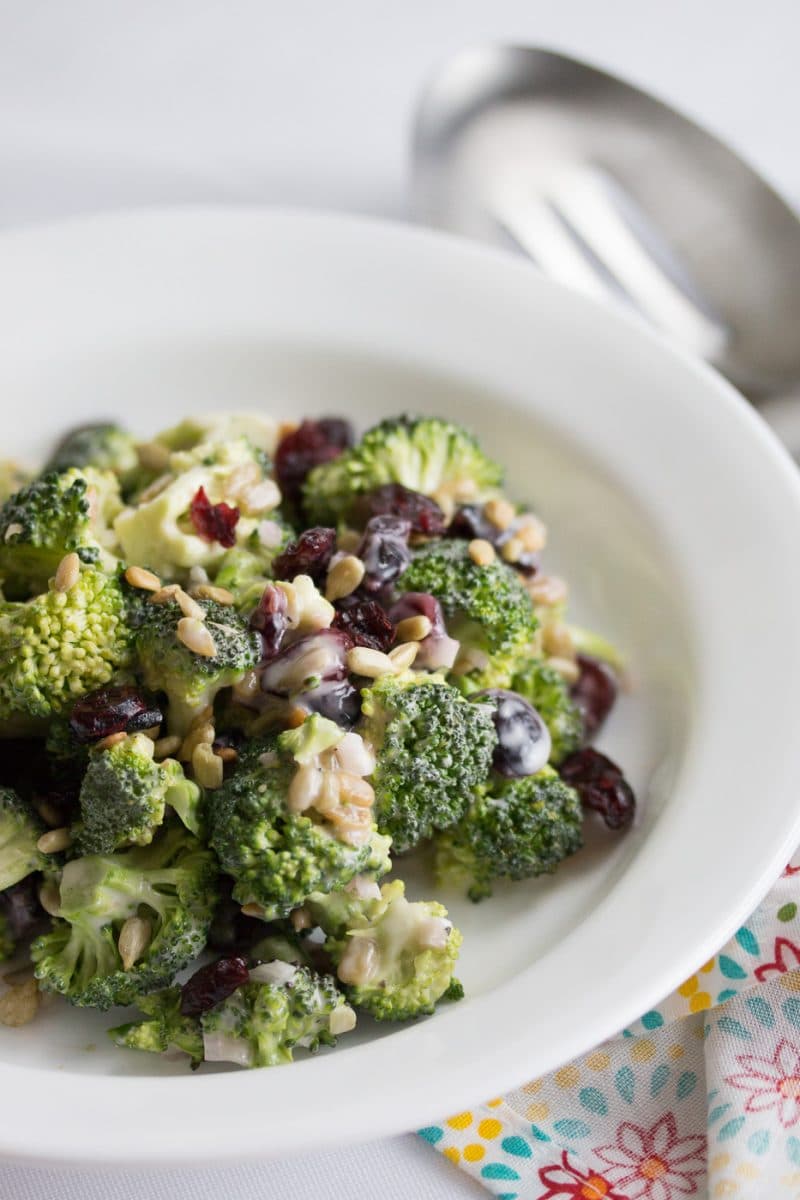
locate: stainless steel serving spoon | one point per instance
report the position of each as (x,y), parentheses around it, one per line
(615,193)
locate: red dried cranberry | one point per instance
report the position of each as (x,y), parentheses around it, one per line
(393,499)
(523,739)
(212,984)
(271,620)
(384,551)
(309,554)
(108,710)
(312,443)
(469,522)
(214,522)
(594,692)
(367,624)
(601,786)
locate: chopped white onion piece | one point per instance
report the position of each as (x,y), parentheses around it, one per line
(270,534)
(363,887)
(437,653)
(433,933)
(342,1020)
(221,1047)
(273,972)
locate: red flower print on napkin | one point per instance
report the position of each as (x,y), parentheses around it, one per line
(787,958)
(654,1164)
(772,1082)
(567,1182)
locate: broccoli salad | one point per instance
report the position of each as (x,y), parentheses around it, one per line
(246,668)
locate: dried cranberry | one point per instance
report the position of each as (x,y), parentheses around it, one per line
(384,551)
(601,786)
(594,692)
(523,739)
(312,443)
(212,984)
(20,908)
(393,499)
(214,522)
(367,624)
(309,554)
(108,710)
(271,620)
(469,522)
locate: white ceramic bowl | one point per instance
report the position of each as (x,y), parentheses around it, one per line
(674,514)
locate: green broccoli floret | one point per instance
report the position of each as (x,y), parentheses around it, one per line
(170,885)
(487,607)
(20,830)
(50,517)
(433,747)
(258,1025)
(396,958)
(191,680)
(164,1030)
(104,445)
(124,795)
(278,856)
(548,692)
(61,645)
(426,454)
(515,829)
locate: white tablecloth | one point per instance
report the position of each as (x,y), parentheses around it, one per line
(109,103)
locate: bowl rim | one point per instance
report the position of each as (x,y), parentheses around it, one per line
(73,1108)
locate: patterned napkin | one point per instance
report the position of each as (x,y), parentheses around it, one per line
(701,1097)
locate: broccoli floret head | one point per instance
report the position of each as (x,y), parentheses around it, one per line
(124,795)
(20,830)
(258,1025)
(61,645)
(169,885)
(487,607)
(515,829)
(433,748)
(190,679)
(427,454)
(164,1029)
(548,692)
(395,957)
(55,514)
(104,445)
(277,853)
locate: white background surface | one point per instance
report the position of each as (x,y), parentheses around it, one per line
(108,103)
